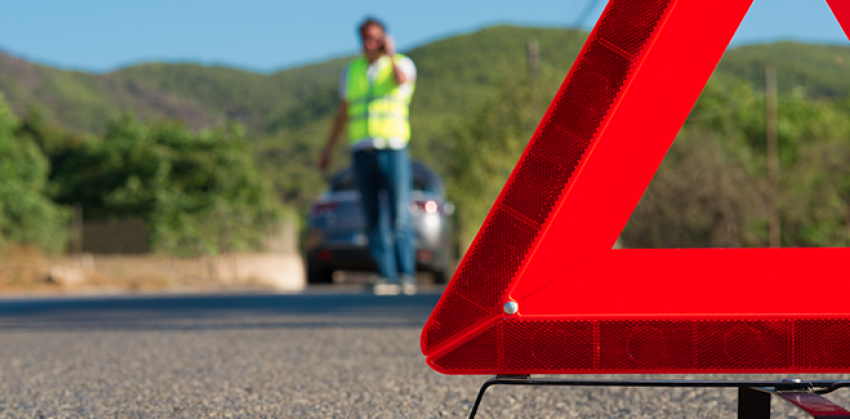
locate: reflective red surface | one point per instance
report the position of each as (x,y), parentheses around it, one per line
(816,405)
(546,243)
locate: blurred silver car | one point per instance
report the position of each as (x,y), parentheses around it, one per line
(336,237)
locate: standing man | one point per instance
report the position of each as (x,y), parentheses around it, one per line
(375,92)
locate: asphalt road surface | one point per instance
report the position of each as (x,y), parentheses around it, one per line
(322,354)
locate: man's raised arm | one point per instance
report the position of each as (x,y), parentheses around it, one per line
(340,119)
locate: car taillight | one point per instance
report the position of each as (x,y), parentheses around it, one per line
(426,207)
(424,255)
(326,256)
(322,208)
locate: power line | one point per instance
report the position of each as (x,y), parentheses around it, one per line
(589,7)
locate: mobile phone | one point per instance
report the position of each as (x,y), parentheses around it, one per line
(384,43)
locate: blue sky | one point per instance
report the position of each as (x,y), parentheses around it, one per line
(266,35)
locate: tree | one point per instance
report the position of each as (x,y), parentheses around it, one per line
(197,193)
(711,189)
(488,143)
(813,194)
(27,215)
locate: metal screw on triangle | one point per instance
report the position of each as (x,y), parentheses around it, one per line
(511,307)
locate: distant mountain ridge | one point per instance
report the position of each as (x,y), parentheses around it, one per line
(198,95)
(453,72)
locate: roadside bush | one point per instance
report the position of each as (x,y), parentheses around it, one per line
(710,191)
(198,193)
(488,142)
(27,215)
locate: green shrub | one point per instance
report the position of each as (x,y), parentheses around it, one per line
(27,215)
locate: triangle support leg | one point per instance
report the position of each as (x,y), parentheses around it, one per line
(753,404)
(753,396)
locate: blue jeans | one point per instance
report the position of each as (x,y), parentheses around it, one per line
(388,228)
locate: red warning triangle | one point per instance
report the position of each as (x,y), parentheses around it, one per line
(841,10)
(546,243)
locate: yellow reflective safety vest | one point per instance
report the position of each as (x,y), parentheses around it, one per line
(376,108)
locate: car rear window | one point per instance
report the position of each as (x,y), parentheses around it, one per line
(347,182)
(344,182)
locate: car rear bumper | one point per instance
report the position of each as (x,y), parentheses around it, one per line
(358,259)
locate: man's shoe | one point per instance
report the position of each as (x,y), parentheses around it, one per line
(408,289)
(408,285)
(384,287)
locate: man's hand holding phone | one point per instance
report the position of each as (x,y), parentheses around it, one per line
(389,45)
(389,49)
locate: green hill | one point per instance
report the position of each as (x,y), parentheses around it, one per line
(822,70)
(198,95)
(287,112)
(454,72)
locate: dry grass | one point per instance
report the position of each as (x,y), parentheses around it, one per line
(26,270)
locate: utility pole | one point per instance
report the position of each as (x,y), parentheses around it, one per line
(77,230)
(223,244)
(772,154)
(533,58)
